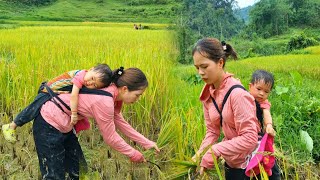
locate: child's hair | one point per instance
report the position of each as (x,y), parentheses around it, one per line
(133,78)
(262,75)
(214,50)
(105,73)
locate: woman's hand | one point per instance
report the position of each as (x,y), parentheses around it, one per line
(74,119)
(202,169)
(196,157)
(270,130)
(157,150)
(209,160)
(138,157)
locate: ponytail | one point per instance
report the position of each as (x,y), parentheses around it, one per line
(133,78)
(230,51)
(214,50)
(116,74)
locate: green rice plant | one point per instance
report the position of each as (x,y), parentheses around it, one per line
(35,54)
(296,176)
(181,169)
(216,165)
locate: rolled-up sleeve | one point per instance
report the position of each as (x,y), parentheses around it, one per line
(212,130)
(130,132)
(236,149)
(245,124)
(103,113)
(78,79)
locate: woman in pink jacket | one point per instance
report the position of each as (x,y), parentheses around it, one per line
(57,146)
(237,121)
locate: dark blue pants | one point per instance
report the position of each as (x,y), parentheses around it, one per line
(32,110)
(239,174)
(59,153)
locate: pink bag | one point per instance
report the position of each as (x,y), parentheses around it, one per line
(82,125)
(263,157)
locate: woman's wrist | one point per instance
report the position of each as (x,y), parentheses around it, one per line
(74,112)
(268,124)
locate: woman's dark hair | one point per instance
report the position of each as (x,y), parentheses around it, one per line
(105,73)
(133,78)
(262,75)
(214,50)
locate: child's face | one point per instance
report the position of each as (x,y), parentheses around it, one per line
(92,80)
(260,90)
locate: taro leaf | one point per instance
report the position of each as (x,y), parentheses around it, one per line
(307,140)
(281,90)
(297,78)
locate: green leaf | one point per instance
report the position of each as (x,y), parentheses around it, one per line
(281,90)
(297,78)
(307,140)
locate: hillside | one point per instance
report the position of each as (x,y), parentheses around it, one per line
(243,13)
(93,10)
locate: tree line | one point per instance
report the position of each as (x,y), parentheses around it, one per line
(274,17)
(216,18)
(32,2)
(128,2)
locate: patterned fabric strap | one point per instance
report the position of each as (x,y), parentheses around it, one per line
(61,81)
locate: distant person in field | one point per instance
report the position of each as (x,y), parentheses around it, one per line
(58,148)
(140,26)
(260,87)
(237,119)
(94,78)
(135,27)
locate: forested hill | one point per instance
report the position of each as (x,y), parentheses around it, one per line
(156,11)
(243,13)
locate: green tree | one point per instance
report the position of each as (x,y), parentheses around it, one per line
(204,18)
(270,17)
(212,17)
(305,13)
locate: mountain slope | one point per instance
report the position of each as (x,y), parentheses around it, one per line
(92,10)
(243,13)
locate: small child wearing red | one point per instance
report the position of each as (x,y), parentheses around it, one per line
(260,87)
(95,78)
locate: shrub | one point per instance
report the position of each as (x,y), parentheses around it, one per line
(300,41)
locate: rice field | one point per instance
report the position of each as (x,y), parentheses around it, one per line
(169,112)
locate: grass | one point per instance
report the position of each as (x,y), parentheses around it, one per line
(277,45)
(12,24)
(90,10)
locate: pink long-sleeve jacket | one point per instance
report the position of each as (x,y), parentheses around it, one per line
(106,112)
(239,126)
